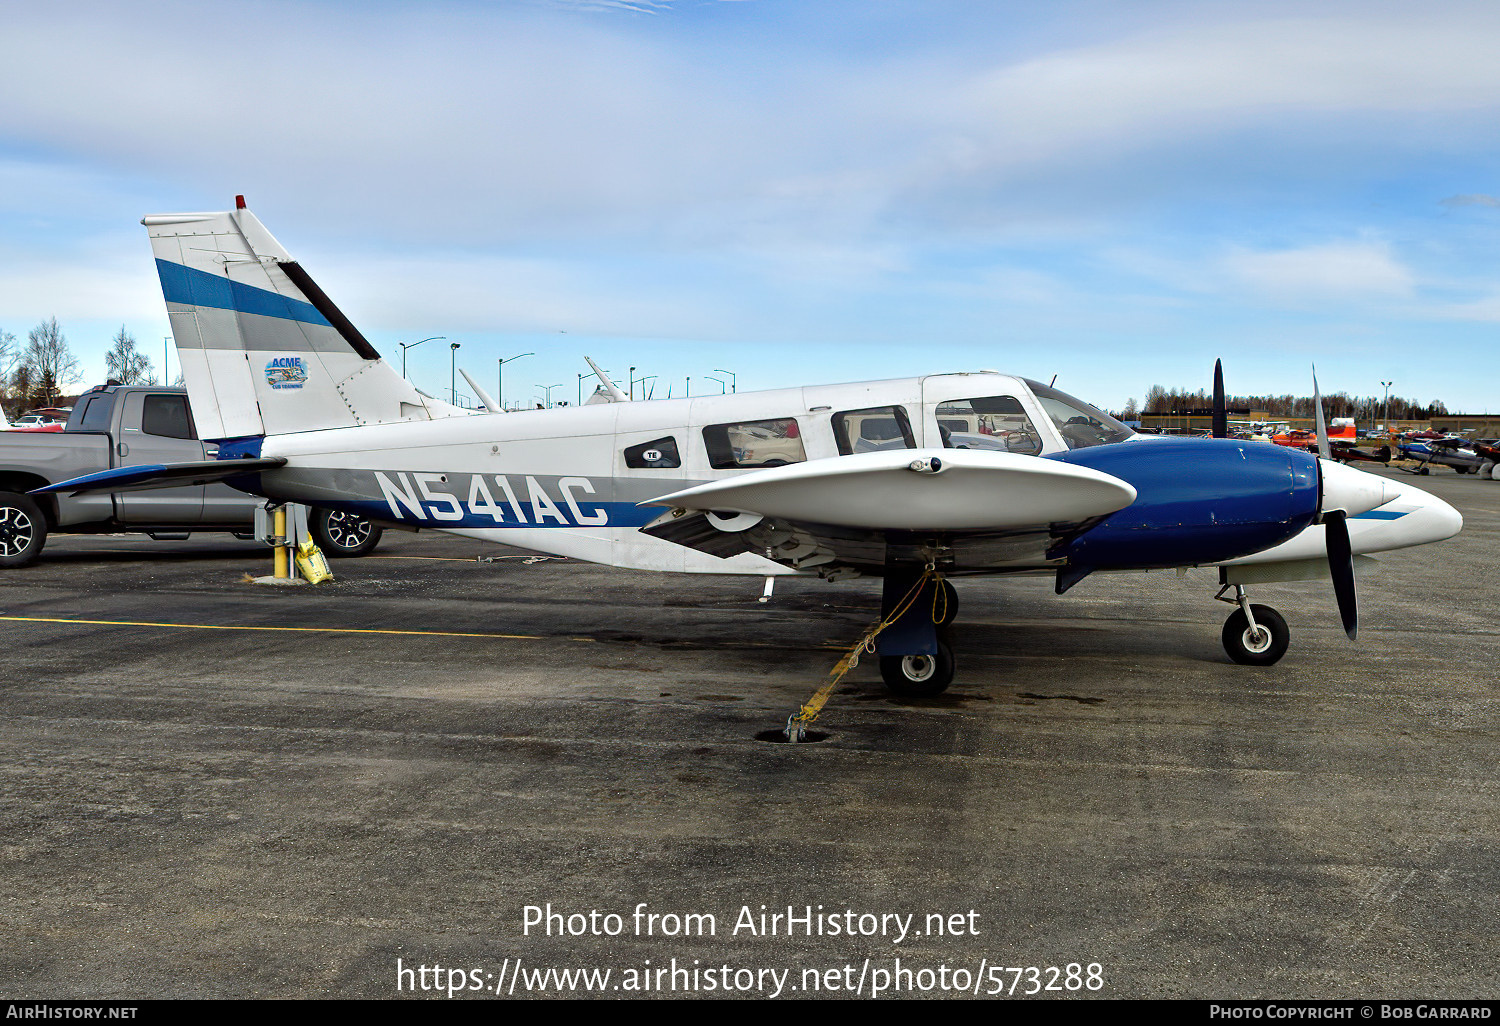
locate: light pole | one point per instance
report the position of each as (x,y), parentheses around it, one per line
(687,391)
(500,383)
(733,381)
(453,371)
(166,351)
(722,387)
(631,387)
(548,389)
(412,345)
(1387,385)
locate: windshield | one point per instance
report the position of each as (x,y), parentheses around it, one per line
(1080,424)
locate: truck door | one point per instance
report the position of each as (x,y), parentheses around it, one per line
(156,427)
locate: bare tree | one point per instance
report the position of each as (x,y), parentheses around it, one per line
(127,364)
(10,355)
(52,363)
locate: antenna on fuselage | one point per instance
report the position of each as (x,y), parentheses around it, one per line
(484,397)
(610,389)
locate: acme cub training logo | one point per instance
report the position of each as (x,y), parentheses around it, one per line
(286,372)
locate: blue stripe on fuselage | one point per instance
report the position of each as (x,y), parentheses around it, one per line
(192,287)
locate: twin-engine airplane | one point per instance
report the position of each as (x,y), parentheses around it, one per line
(912,480)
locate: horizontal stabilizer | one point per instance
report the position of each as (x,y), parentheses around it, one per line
(917,490)
(162,475)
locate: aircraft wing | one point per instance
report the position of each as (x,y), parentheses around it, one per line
(868,508)
(161,475)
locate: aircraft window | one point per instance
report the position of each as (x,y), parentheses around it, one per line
(659,452)
(167,415)
(755,443)
(1080,424)
(997,422)
(880,427)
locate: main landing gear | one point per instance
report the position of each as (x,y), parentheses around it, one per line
(916,660)
(1253,635)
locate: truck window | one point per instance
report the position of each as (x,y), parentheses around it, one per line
(754,443)
(167,415)
(96,413)
(870,430)
(996,422)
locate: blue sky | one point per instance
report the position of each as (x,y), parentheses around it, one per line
(800,192)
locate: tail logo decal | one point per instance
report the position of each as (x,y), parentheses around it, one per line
(286,372)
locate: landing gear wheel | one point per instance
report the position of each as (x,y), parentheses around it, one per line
(919,676)
(23,530)
(1262,647)
(342,534)
(946,605)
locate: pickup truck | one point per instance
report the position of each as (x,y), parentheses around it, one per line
(123,426)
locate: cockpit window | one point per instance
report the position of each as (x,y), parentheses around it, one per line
(996,422)
(1080,424)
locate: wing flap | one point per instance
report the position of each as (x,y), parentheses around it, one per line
(916,490)
(162,475)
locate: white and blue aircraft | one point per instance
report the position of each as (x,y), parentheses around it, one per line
(913,480)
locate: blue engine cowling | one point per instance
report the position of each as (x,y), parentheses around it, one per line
(1199,500)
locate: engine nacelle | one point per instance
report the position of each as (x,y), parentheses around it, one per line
(1199,500)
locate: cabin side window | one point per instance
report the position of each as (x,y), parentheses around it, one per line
(167,415)
(659,452)
(997,422)
(872,430)
(754,443)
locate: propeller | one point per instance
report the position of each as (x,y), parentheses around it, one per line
(1343,490)
(1341,568)
(1221,408)
(1323,448)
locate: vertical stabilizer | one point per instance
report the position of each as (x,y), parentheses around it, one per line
(263,349)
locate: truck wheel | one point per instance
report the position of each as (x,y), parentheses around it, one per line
(23,530)
(342,534)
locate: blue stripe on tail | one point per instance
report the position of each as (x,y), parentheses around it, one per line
(192,287)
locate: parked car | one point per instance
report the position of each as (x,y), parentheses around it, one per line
(123,426)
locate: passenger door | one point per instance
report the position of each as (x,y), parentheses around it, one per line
(157,427)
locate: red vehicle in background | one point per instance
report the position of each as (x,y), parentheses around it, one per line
(48,418)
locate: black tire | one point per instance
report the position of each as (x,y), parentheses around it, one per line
(23,530)
(1252,652)
(919,676)
(343,535)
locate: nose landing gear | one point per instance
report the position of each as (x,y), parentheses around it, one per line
(1254,635)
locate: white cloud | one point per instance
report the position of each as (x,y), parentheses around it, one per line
(1333,271)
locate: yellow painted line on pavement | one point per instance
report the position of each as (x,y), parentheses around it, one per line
(305,630)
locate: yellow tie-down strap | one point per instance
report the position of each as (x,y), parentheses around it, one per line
(796,724)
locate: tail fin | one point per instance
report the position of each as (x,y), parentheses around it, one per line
(263,350)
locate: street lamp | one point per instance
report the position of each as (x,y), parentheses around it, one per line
(166,350)
(412,345)
(453,371)
(733,381)
(500,383)
(548,389)
(631,387)
(722,387)
(1387,385)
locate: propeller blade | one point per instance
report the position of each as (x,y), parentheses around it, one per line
(1221,408)
(1341,567)
(1323,448)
